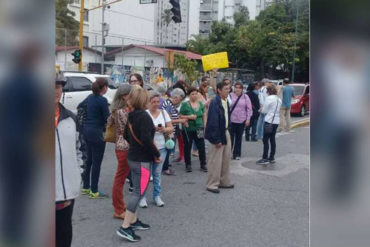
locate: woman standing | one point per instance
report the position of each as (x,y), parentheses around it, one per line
(193,111)
(142,152)
(163,126)
(119,116)
(241,112)
(271,109)
(252,93)
(96,118)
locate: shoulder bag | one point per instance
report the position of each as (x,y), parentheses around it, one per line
(110,132)
(268,127)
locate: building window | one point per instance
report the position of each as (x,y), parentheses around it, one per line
(86,15)
(85,41)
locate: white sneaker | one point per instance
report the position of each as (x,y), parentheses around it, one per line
(143,203)
(151,178)
(158,201)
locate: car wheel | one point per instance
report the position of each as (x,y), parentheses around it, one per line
(303,111)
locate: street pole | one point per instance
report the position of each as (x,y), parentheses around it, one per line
(65,49)
(82,12)
(102,38)
(295,43)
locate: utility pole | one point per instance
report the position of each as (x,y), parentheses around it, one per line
(82,13)
(102,38)
(295,43)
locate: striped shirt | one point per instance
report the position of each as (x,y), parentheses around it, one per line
(172,111)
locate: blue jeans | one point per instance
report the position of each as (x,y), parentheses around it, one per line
(157,173)
(260,123)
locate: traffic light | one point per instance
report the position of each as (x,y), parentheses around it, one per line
(76,56)
(176,10)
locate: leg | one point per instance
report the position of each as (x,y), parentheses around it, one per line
(266,138)
(214,166)
(282,118)
(119,182)
(199,142)
(63,226)
(232,135)
(260,124)
(166,161)
(157,174)
(273,142)
(98,149)
(254,128)
(247,132)
(238,139)
(181,145)
(225,167)
(188,141)
(86,174)
(288,120)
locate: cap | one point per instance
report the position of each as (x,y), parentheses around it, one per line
(60,79)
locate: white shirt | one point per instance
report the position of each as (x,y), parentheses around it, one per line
(271,108)
(159,137)
(262,95)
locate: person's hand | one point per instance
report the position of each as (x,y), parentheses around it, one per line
(157,160)
(247,123)
(219,145)
(193,117)
(186,124)
(214,71)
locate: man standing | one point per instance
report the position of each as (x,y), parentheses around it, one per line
(217,134)
(287,95)
(262,96)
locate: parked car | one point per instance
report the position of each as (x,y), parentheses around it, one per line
(301,100)
(78,87)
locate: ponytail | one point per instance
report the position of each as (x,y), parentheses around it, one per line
(98,85)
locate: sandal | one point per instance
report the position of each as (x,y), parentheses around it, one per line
(169,172)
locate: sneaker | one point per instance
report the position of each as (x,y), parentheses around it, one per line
(237,158)
(85,191)
(143,203)
(128,233)
(262,162)
(151,178)
(130,189)
(188,168)
(138,225)
(204,168)
(254,139)
(97,195)
(158,201)
(272,161)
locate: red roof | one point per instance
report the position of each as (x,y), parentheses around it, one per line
(158,50)
(68,48)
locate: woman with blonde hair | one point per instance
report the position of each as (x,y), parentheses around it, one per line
(141,153)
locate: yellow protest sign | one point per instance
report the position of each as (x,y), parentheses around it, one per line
(216,60)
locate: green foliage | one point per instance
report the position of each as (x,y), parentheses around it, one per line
(266,44)
(186,67)
(65,21)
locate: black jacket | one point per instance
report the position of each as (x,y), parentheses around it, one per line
(255,103)
(143,128)
(216,122)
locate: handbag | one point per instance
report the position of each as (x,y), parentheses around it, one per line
(110,132)
(169,143)
(200,130)
(268,127)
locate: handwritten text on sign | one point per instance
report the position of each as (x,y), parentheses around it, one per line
(216,60)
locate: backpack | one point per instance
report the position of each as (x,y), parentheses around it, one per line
(81,114)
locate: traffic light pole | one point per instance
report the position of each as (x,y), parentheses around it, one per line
(102,38)
(82,13)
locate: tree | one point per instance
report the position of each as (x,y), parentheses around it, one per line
(186,67)
(65,21)
(198,44)
(241,17)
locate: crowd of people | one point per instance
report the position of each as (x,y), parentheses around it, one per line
(148,127)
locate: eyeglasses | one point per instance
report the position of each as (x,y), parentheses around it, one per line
(134,80)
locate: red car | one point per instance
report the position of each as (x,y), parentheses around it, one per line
(301,100)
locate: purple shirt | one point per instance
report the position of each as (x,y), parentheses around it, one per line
(243,110)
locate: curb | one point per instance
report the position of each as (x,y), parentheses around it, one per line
(302,123)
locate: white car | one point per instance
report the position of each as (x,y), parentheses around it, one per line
(78,87)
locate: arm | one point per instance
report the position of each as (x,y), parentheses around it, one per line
(78,152)
(214,80)
(185,112)
(146,138)
(249,107)
(212,123)
(265,107)
(105,109)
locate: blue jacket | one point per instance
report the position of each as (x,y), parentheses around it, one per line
(216,122)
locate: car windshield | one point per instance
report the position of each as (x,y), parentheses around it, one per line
(298,90)
(111,83)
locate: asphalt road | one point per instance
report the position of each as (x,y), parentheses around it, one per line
(268,207)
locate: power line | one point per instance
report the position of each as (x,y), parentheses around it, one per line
(122,13)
